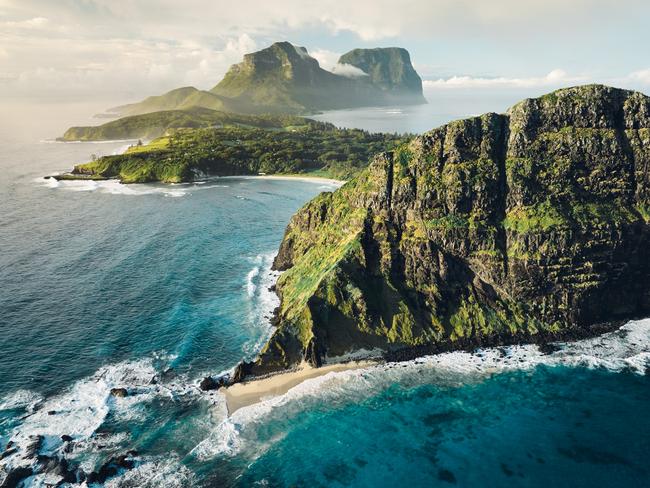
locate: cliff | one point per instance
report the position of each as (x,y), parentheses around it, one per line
(388,69)
(284,77)
(526,226)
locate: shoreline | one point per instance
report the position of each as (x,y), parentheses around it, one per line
(254,391)
(69,176)
(290,177)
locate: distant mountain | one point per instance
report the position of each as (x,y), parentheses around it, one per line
(285,78)
(388,69)
(179,99)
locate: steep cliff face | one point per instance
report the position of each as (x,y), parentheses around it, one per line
(492,229)
(388,69)
(285,77)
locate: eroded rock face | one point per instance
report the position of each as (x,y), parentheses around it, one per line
(284,77)
(494,229)
(387,68)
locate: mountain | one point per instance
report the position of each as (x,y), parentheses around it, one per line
(525,226)
(179,99)
(285,78)
(388,69)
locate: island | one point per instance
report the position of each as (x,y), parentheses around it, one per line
(528,226)
(284,78)
(245,145)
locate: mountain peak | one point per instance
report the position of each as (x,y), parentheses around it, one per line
(388,68)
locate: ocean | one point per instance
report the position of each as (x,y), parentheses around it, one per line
(153,287)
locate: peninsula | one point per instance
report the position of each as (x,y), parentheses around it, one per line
(504,228)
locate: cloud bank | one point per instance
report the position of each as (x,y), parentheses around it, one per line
(83,48)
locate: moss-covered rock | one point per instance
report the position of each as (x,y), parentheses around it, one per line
(493,229)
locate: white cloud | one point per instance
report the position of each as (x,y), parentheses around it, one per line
(348,71)
(641,76)
(326,59)
(144,47)
(556,77)
(33,23)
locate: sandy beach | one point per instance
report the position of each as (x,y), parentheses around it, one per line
(251,392)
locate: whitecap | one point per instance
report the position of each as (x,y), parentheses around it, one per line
(154,472)
(20,399)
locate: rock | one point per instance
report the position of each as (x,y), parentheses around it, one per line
(66,438)
(529,226)
(33,446)
(119,392)
(208,383)
(8,452)
(110,468)
(15,476)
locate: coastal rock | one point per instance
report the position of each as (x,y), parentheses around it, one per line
(504,228)
(111,468)
(119,392)
(15,476)
(209,383)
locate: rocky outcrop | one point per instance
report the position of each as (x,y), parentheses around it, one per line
(524,226)
(284,77)
(388,69)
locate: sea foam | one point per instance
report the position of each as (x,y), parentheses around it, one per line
(625,349)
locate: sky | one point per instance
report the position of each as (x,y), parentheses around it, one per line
(75,50)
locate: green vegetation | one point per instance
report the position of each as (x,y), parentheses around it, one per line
(156,124)
(540,217)
(489,230)
(314,148)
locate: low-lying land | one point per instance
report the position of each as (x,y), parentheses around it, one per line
(309,147)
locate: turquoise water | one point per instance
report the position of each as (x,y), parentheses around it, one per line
(151,287)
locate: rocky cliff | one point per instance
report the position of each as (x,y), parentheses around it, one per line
(494,229)
(284,77)
(388,69)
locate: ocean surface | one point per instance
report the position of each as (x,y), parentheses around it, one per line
(152,287)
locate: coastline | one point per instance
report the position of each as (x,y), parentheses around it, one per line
(290,177)
(247,393)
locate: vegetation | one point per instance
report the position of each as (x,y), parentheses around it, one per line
(185,154)
(156,124)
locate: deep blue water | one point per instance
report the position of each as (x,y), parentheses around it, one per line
(104,285)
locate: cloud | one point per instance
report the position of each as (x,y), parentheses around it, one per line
(554,78)
(348,71)
(33,23)
(326,59)
(641,77)
(148,46)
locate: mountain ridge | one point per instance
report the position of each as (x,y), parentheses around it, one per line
(285,78)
